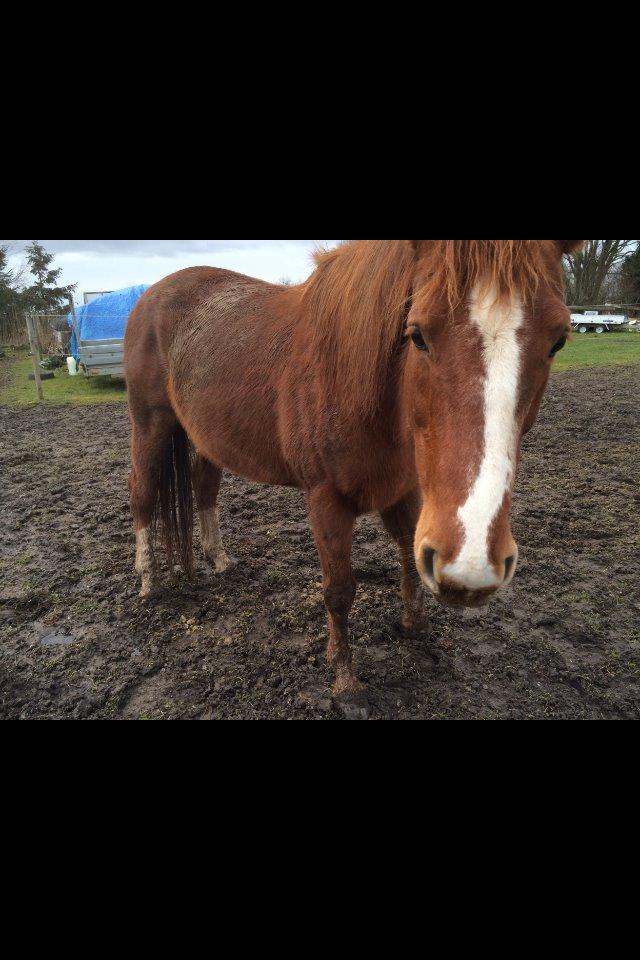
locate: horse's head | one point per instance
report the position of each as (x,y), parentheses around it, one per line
(487,318)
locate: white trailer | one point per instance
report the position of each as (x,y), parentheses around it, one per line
(592,321)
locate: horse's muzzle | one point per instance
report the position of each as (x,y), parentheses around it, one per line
(464,585)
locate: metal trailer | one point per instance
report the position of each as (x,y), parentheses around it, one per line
(102,358)
(99,358)
(594,322)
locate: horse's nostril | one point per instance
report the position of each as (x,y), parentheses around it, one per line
(430,563)
(509,568)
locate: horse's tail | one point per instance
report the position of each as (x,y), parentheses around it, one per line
(174,506)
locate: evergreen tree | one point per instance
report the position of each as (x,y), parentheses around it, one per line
(9,292)
(45,295)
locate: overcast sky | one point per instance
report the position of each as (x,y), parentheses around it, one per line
(114,264)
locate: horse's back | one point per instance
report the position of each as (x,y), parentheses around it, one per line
(172,301)
(212,344)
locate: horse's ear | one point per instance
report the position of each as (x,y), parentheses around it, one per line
(571,246)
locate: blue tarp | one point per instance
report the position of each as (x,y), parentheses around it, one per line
(104,318)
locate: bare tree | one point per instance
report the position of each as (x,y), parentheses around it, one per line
(629,278)
(590,271)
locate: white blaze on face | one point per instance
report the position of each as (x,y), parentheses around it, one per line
(499,324)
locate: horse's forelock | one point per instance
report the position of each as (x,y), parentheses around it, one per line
(512,268)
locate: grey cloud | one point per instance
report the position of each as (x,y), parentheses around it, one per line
(162,248)
(114,264)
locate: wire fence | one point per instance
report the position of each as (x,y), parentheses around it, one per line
(51,329)
(13,329)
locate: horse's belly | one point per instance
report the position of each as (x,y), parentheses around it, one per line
(237,435)
(242,462)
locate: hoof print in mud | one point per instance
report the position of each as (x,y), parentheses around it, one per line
(355,707)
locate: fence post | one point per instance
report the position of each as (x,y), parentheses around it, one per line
(35,354)
(74,322)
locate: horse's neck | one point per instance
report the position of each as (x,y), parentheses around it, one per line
(387,420)
(390,421)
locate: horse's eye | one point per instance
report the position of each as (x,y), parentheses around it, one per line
(419,340)
(560,345)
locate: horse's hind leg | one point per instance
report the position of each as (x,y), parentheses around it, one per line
(152,433)
(206,481)
(401,522)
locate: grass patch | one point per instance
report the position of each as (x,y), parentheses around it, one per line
(16,390)
(599,350)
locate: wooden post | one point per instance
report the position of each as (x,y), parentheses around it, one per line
(35,354)
(72,310)
(74,322)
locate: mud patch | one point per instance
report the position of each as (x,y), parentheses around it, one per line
(563,643)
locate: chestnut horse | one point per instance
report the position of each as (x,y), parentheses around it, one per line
(399,379)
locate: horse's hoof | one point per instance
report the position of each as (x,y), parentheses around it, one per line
(150,590)
(412,615)
(354,706)
(222,563)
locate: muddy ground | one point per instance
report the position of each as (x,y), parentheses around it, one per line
(76,643)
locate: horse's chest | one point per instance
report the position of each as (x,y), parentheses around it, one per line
(376,475)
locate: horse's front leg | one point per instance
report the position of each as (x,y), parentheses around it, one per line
(333,522)
(401,522)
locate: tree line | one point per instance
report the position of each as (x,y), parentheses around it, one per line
(33,288)
(606,271)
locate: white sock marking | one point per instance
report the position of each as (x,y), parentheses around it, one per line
(145,561)
(499,324)
(212,540)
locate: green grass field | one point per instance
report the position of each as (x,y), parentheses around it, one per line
(16,390)
(583,350)
(593,350)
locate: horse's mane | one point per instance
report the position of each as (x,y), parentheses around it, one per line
(359,297)
(357,302)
